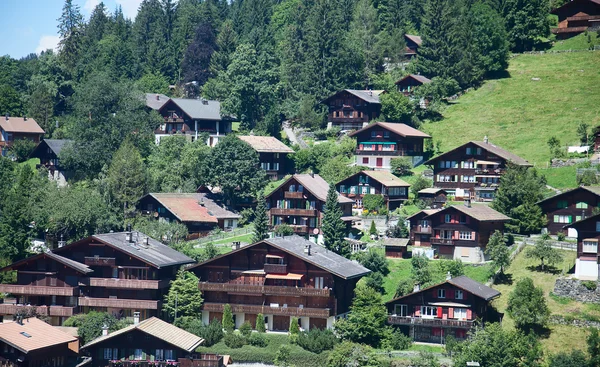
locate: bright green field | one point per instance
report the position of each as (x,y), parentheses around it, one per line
(561,178)
(579,42)
(520,114)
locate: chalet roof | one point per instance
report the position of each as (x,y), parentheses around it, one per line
(396,242)
(197,109)
(431,190)
(33,334)
(593,189)
(400,129)
(266,144)
(571,3)
(427,212)
(579,222)
(319,256)
(187,207)
(420,78)
(386,178)
(159,329)
(156,103)
(370,96)
(82,268)
(480,212)
(416,39)
(490,148)
(20,125)
(316,185)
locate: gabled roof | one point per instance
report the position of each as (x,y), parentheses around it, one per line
(593,189)
(155,253)
(319,256)
(156,100)
(198,109)
(480,212)
(396,242)
(20,125)
(490,148)
(193,207)
(571,3)
(369,96)
(32,335)
(400,129)
(55,145)
(420,78)
(416,39)
(383,177)
(316,185)
(427,213)
(431,190)
(82,268)
(266,144)
(159,329)
(463,282)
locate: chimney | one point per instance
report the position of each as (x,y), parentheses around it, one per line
(235,245)
(448,276)
(104,330)
(24,118)
(128,236)
(62,242)
(370,92)
(307,249)
(204,101)
(312,174)
(201,201)
(485,139)
(468,203)
(417,287)
(146,241)
(136,318)
(6,117)
(158,97)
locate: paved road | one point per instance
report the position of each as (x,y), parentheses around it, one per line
(289,131)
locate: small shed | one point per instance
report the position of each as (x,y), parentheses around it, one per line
(433,197)
(395,247)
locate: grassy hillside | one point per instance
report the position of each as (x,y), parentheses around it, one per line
(520,114)
(580,42)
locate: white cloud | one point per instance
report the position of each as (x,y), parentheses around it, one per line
(47,42)
(90,5)
(130,7)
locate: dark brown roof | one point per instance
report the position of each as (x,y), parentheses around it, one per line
(465,283)
(400,129)
(481,212)
(20,125)
(82,268)
(571,3)
(33,334)
(420,78)
(593,189)
(490,148)
(427,212)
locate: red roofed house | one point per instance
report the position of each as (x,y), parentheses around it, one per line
(378,143)
(412,45)
(14,128)
(576,17)
(273,155)
(352,109)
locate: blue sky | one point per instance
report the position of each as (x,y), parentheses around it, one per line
(31,25)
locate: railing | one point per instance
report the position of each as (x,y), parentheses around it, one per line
(582,17)
(204,360)
(293,195)
(489,171)
(348,119)
(267,310)
(99,261)
(174,119)
(275,268)
(11,309)
(127,283)
(297,212)
(62,311)
(264,289)
(226,234)
(421,229)
(381,152)
(403,320)
(37,290)
(119,363)
(442,241)
(300,229)
(118,303)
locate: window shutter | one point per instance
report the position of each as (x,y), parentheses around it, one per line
(450,313)
(469,314)
(556,219)
(434,293)
(456,235)
(570,219)
(473,236)
(417,311)
(449,294)
(439,312)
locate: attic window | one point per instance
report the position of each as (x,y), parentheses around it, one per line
(25,334)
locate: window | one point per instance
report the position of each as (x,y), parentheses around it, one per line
(441,293)
(368,146)
(397,191)
(563,219)
(561,204)
(582,205)
(111,353)
(373,134)
(478,151)
(590,246)
(137,355)
(462,218)
(458,294)
(597,226)
(467,164)
(115,272)
(169,355)
(469,151)
(292,188)
(460,313)
(401,310)
(160,355)
(364,190)
(463,235)
(319,282)
(386,134)
(428,311)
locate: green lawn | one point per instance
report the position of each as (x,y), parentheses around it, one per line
(579,42)
(561,178)
(272,185)
(246,238)
(520,114)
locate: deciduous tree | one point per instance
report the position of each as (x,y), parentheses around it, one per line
(527,306)
(497,250)
(526,22)
(543,251)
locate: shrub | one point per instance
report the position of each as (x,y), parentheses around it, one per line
(401,166)
(258,340)
(317,340)
(373,202)
(394,339)
(561,236)
(590,285)
(246,329)
(228,324)
(234,340)
(455,267)
(510,239)
(283,230)
(373,229)
(294,330)
(212,334)
(282,358)
(260,323)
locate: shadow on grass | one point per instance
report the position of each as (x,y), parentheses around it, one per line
(547,269)
(506,279)
(503,74)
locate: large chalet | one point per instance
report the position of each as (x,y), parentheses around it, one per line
(587,265)
(16,128)
(393,189)
(300,201)
(458,231)
(568,207)
(576,17)
(48,152)
(120,273)
(280,278)
(448,308)
(273,155)
(352,109)
(378,143)
(473,170)
(420,227)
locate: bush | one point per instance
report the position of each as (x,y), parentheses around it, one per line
(246,329)
(258,340)
(590,285)
(394,339)
(454,267)
(401,166)
(212,334)
(373,202)
(510,239)
(283,230)
(21,148)
(294,330)
(317,340)
(227,322)
(234,340)
(561,236)
(260,323)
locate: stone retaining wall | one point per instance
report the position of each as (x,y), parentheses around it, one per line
(559,320)
(572,288)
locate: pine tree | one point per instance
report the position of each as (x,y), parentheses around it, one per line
(260,323)
(334,229)
(184,298)
(195,64)
(261,220)
(70,26)
(228,324)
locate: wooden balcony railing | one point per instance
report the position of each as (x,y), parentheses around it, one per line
(61,311)
(294,212)
(293,195)
(401,320)
(275,268)
(264,289)
(11,309)
(174,119)
(299,229)
(37,290)
(421,229)
(127,283)
(442,241)
(392,153)
(267,310)
(99,261)
(119,303)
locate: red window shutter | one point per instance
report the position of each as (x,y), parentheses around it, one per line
(456,235)
(439,312)
(473,236)
(418,311)
(361,146)
(451,313)
(449,294)
(469,314)
(434,293)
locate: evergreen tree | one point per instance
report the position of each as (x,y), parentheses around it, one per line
(489,38)
(363,36)
(226,42)
(70,26)
(497,250)
(228,324)
(183,298)
(334,229)
(189,16)
(261,220)
(149,39)
(195,64)
(260,323)
(526,21)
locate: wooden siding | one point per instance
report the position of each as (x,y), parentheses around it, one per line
(118,303)
(37,290)
(264,289)
(127,283)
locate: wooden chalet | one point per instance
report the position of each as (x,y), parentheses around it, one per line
(433,197)
(448,308)
(461,231)
(30,342)
(587,265)
(569,207)
(15,128)
(352,109)
(412,45)
(379,143)
(420,227)
(48,151)
(120,273)
(273,155)
(395,247)
(576,17)
(473,170)
(300,201)
(408,84)
(280,278)
(393,189)
(150,343)
(199,212)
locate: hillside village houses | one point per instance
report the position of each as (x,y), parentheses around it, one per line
(15,128)
(568,207)
(393,189)
(575,17)
(587,265)
(48,151)
(274,156)
(352,109)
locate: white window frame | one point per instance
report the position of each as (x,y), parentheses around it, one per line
(460,313)
(160,355)
(441,293)
(138,354)
(428,315)
(590,246)
(401,310)
(458,294)
(465,235)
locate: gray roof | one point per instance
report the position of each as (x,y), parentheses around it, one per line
(476,288)
(593,189)
(416,39)
(480,212)
(396,242)
(427,212)
(57,144)
(153,102)
(217,208)
(420,78)
(490,148)
(317,186)
(70,263)
(197,110)
(431,190)
(371,96)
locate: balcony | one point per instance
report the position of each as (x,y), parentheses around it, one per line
(132,304)
(421,229)
(276,268)
(99,261)
(127,283)
(37,290)
(11,309)
(202,360)
(442,241)
(392,153)
(293,195)
(264,289)
(491,172)
(294,212)
(176,120)
(119,363)
(63,311)
(402,320)
(300,229)
(267,310)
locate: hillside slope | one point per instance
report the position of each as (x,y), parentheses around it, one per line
(520,114)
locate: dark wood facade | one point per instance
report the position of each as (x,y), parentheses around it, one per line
(569,207)
(587,265)
(420,228)
(433,198)
(576,17)
(47,151)
(277,165)
(348,110)
(355,187)
(408,84)
(412,45)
